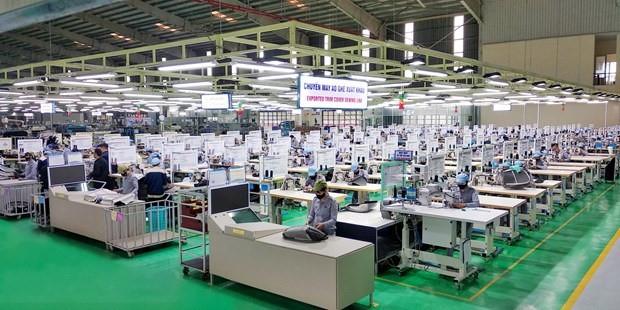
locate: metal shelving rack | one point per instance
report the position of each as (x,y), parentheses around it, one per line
(193,232)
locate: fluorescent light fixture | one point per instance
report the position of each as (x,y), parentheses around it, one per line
(258,86)
(120,90)
(10,93)
(465,70)
(377,94)
(77,83)
(415,61)
(27,96)
(555,86)
(185,99)
(491,94)
(520,97)
(367,78)
(448,90)
(540,84)
(442,85)
(538,88)
(428,72)
(520,80)
(143,96)
(497,83)
(278,77)
(256,66)
(98,98)
(192,91)
(492,75)
(96,76)
(252,99)
(187,66)
(28,83)
(389,85)
(73,93)
(193,84)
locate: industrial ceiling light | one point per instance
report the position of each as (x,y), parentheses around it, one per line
(192,84)
(133,95)
(415,61)
(389,85)
(277,77)
(196,64)
(366,78)
(193,91)
(257,66)
(98,98)
(120,90)
(465,70)
(449,90)
(259,86)
(72,93)
(443,85)
(100,85)
(539,84)
(578,91)
(555,86)
(96,76)
(520,80)
(491,93)
(492,75)
(2,92)
(28,83)
(429,72)
(497,82)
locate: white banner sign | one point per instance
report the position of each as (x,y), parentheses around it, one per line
(328,93)
(81,142)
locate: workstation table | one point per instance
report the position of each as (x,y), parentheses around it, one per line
(531,194)
(368,188)
(598,160)
(595,173)
(511,231)
(581,177)
(275,214)
(565,176)
(552,187)
(370,227)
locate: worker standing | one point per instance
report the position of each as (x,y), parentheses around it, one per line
(31,167)
(101,171)
(156,181)
(323,212)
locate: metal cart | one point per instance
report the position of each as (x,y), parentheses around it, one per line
(16,197)
(41,215)
(140,225)
(193,230)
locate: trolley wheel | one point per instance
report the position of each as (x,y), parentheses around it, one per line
(19,217)
(205,276)
(475,274)
(130,254)
(458,286)
(185,270)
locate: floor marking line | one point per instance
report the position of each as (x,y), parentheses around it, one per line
(422,289)
(528,253)
(588,276)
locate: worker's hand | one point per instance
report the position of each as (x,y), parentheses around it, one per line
(320,226)
(458,205)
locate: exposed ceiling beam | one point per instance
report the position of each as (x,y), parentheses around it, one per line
(46,10)
(56,49)
(474,8)
(120,29)
(178,22)
(265,21)
(374,25)
(9,61)
(29,56)
(96,44)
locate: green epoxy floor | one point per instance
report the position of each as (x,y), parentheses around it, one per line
(40,270)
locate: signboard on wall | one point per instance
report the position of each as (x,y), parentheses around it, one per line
(216,102)
(329,93)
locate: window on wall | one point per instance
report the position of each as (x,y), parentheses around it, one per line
(327,61)
(342,118)
(409,29)
(268,119)
(459,35)
(365,51)
(605,70)
(431,117)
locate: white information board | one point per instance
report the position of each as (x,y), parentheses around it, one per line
(237,154)
(215,148)
(56,160)
(6,144)
(29,145)
(279,149)
(184,160)
(156,143)
(75,158)
(122,155)
(329,93)
(325,158)
(192,142)
(463,160)
(272,167)
(82,142)
(168,148)
(254,143)
(361,153)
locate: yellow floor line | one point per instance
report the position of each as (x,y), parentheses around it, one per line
(588,276)
(422,289)
(484,288)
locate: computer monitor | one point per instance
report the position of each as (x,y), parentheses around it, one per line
(229,198)
(244,216)
(67,174)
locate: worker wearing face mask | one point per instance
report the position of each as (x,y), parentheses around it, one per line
(323,213)
(558,153)
(309,159)
(463,196)
(311,180)
(130,181)
(581,149)
(540,162)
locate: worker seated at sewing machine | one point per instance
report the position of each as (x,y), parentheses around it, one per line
(558,154)
(463,196)
(538,162)
(580,150)
(313,177)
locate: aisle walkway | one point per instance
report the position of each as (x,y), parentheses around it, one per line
(40,270)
